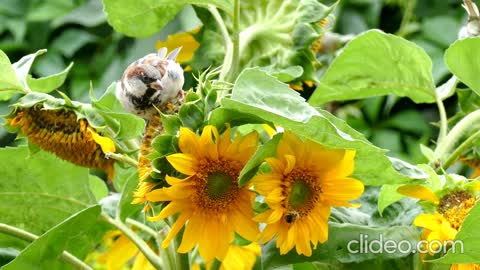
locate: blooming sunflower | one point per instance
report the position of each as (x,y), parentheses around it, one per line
(445,224)
(120,251)
(211,203)
(241,257)
(305,182)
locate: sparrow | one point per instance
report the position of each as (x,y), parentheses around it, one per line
(150,83)
(472,28)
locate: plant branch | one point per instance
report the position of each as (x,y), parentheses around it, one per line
(443,119)
(142,227)
(142,246)
(232,72)
(123,158)
(455,135)
(30,237)
(460,149)
(221,24)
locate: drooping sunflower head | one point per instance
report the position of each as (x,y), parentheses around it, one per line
(61,132)
(212,204)
(305,181)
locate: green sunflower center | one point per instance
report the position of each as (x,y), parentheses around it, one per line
(300,194)
(219,184)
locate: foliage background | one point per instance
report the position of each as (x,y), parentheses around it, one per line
(76,30)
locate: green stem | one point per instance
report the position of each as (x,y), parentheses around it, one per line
(30,237)
(181,259)
(123,158)
(221,25)
(142,246)
(234,67)
(142,227)
(215,264)
(455,135)
(443,120)
(460,149)
(407,17)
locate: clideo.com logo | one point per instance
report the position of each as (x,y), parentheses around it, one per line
(380,245)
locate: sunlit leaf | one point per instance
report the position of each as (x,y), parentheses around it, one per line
(374,64)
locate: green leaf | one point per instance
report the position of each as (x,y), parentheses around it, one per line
(125,207)
(22,66)
(144,17)
(374,64)
(191,116)
(284,74)
(220,116)
(336,248)
(125,125)
(447,89)
(469,235)
(41,188)
(49,83)
(462,60)
(8,79)
(79,229)
(388,195)
(408,169)
(259,94)
(268,149)
(98,187)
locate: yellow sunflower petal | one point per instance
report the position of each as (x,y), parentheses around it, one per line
(120,253)
(179,223)
(193,230)
(141,263)
(105,143)
(183,163)
(207,142)
(418,192)
(345,189)
(185,40)
(188,142)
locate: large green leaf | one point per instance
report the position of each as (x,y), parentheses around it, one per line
(49,83)
(143,18)
(462,60)
(336,249)
(257,93)
(8,79)
(469,235)
(22,66)
(74,234)
(38,191)
(376,64)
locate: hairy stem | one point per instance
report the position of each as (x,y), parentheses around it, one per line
(234,66)
(142,246)
(459,130)
(460,149)
(142,227)
(122,158)
(181,259)
(443,120)
(30,237)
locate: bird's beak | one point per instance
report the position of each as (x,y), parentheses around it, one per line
(157,85)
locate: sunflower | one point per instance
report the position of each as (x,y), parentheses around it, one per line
(241,257)
(211,203)
(305,182)
(60,132)
(446,222)
(120,251)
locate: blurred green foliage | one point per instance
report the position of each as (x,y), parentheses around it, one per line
(77,30)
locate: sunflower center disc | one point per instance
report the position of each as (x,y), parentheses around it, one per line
(300,194)
(218,185)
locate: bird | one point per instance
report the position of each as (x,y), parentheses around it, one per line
(472,28)
(150,83)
